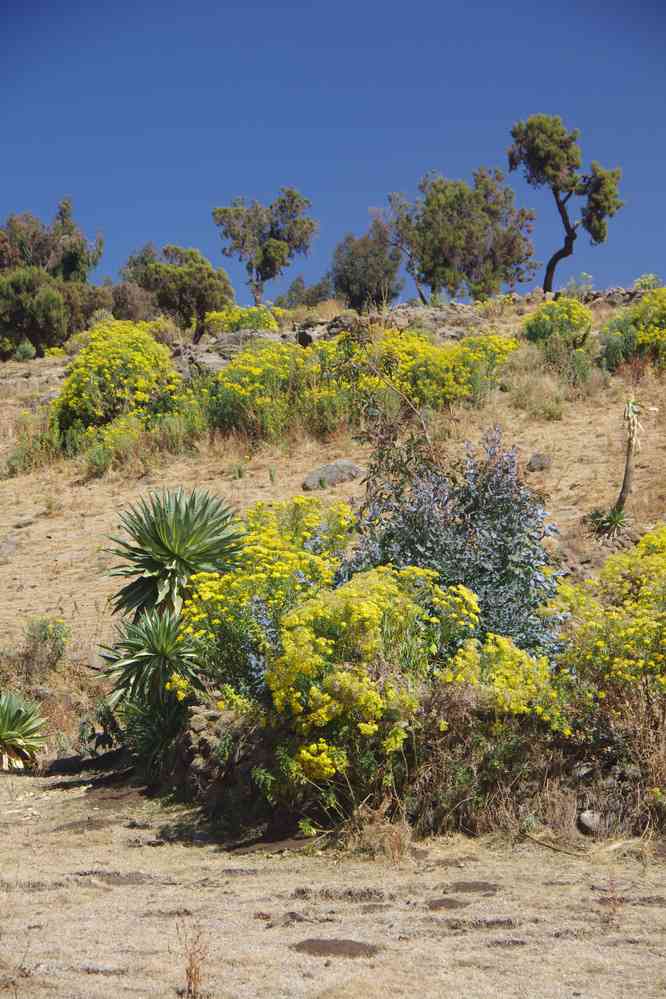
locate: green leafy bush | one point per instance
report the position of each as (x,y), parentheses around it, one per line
(22,732)
(565,319)
(24,351)
(639,331)
(171,536)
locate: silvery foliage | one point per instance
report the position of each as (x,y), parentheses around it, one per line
(481,527)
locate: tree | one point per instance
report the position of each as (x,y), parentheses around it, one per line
(365,268)
(32,307)
(300,294)
(266,238)
(460,237)
(185,284)
(550,157)
(61,249)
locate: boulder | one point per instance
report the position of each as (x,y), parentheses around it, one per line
(589,822)
(539,462)
(342,470)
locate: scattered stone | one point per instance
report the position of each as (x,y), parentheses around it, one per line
(539,462)
(335,948)
(24,522)
(589,822)
(342,470)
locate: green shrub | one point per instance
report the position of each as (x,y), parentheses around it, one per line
(24,351)
(566,319)
(639,331)
(22,732)
(38,443)
(647,282)
(170,537)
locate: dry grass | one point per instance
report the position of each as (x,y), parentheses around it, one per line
(98,906)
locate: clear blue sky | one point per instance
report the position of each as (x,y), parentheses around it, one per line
(150,114)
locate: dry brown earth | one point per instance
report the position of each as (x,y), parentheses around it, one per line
(95,881)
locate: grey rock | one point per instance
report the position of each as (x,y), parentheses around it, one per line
(8,548)
(342,470)
(539,462)
(589,822)
(198,724)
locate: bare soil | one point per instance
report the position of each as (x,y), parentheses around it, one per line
(100,886)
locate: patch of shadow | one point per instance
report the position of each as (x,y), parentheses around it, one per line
(373,907)
(507,942)
(166,913)
(487,923)
(335,948)
(472,887)
(651,900)
(436,904)
(119,878)
(342,894)
(31,885)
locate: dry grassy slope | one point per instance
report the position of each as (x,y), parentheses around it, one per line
(91,908)
(59,525)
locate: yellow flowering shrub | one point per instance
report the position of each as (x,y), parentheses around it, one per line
(119,370)
(616,631)
(354,660)
(513,682)
(272,386)
(289,548)
(566,319)
(236,317)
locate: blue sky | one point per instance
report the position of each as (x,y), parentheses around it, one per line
(149,115)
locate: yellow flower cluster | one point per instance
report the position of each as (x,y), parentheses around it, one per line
(332,641)
(320,760)
(179,686)
(235,317)
(272,386)
(275,567)
(515,682)
(566,319)
(617,626)
(121,369)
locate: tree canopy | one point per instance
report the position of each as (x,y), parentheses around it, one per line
(185,284)
(550,156)
(456,237)
(301,294)
(365,268)
(60,249)
(266,238)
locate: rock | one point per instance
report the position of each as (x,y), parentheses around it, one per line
(7,548)
(539,462)
(582,770)
(589,822)
(342,470)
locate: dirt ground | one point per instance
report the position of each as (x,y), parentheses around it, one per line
(101,886)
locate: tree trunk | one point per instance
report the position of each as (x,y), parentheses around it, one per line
(421,293)
(565,251)
(628,477)
(571,233)
(257,293)
(199,329)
